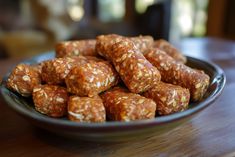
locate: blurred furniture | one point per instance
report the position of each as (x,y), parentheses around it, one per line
(156,20)
(3,52)
(30,27)
(221,19)
(24,43)
(210,133)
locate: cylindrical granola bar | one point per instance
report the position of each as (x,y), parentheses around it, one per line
(50,100)
(142,42)
(179,74)
(54,71)
(169,98)
(91,78)
(122,105)
(23,79)
(85,109)
(170,50)
(76,48)
(136,72)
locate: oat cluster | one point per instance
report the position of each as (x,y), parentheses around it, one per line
(111,78)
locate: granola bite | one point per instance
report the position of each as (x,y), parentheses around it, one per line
(122,105)
(85,109)
(23,79)
(76,48)
(179,74)
(137,73)
(38,68)
(50,100)
(91,79)
(143,43)
(54,71)
(104,42)
(169,98)
(170,50)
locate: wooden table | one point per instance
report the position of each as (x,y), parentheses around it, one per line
(210,133)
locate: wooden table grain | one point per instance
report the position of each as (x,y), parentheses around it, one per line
(210,133)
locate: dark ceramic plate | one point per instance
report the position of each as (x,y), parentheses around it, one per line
(116,131)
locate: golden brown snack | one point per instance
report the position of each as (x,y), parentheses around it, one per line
(179,74)
(54,71)
(91,78)
(85,109)
(169,98)
(76,48)
(23,79)
(122,105)
(38,68)
(170,50)
(50,100)
(143,43)
(104,42)
(136,72)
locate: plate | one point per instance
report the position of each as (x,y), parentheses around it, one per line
(116,131)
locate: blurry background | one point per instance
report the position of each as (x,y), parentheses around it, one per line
(29,27)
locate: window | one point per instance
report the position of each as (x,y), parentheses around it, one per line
(141,5)
(188,18)
(111,10)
